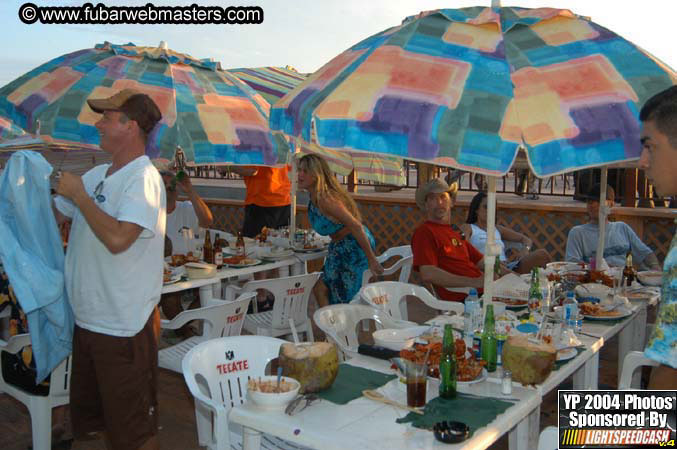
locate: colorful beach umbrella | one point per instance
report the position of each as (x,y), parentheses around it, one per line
(211,114)
(466,87)
(272,83)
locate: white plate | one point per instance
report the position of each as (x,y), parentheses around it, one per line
(274,256)
(650,278)
(172,280)
(567,354)
(621,316)
(482,377)
(253,262)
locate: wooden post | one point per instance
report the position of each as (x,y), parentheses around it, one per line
(352,181)
(630,176)
(425,172)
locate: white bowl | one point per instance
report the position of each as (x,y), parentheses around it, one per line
(273,400)
(650,278)
(397,339)
(200,270)
(594,292)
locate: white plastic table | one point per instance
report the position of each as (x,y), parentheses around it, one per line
(365,424)
(211,287)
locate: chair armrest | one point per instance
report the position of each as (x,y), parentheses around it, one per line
(405,323)
(232,291)
(15,343)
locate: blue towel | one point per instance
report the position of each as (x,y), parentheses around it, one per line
(32,255)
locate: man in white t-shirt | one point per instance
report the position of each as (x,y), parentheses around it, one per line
(113,278)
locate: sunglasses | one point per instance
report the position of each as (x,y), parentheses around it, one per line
(98,196)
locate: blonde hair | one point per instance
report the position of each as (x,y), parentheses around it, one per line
(327,186)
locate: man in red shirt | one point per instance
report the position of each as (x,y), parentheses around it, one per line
(442,257)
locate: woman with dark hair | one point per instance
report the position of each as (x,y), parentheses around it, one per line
(475,230)
(333,212)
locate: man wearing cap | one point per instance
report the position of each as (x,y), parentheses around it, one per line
(619,241)
(442,257)
(659,159)
(113,276)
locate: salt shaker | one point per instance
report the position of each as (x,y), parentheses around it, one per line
(506,382)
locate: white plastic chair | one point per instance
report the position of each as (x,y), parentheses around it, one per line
(549,439)
(219,319)
(216,388)
(403,264)
(339,323)
(291,302)
(632,361)
(39,407)
(391,296)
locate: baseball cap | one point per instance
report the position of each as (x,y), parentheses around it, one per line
(595,191)
(434,186)
(136,105)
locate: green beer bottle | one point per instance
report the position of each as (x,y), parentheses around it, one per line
(489,348)
(448,364)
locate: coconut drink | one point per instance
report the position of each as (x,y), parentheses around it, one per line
(313,364)
(530,362)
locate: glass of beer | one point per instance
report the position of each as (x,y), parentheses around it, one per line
(417,378)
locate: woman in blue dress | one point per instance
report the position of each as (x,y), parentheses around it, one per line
(333,212)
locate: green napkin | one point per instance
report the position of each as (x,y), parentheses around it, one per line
(351,381)
(472,410)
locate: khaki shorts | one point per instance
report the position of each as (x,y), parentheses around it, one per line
(114,386)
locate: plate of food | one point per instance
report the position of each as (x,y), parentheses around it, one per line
(593,311)
(468,370)
(237,262)
(181,259)
(171,279)
(559,266)
(566,354)
(512,303)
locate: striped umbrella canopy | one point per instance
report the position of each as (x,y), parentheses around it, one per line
(211,114)
(272,83)
(466,87)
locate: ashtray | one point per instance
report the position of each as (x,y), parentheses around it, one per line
(451,432)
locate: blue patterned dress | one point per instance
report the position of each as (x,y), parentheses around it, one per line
(345,261)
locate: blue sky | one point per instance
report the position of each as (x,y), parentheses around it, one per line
(302,33)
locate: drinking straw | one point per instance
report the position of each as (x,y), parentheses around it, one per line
(293,332)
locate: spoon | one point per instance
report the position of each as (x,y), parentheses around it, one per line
(378,397)
(279,377)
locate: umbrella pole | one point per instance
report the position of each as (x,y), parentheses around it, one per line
(492,250)
(602,217)
(294,187)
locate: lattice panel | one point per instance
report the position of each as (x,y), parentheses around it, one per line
(658,235)
(548,230)
(392,224)
(227,217)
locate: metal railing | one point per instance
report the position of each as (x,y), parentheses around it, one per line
(517,181)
